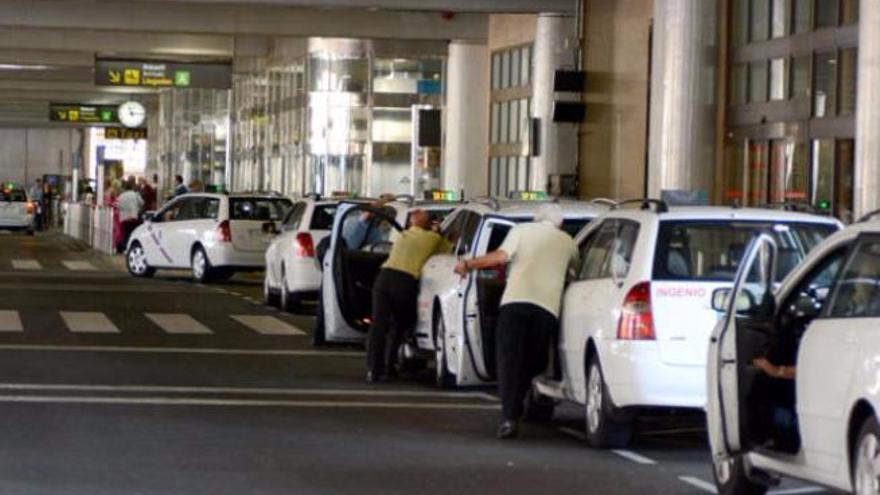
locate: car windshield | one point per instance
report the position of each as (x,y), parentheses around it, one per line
(16,195)
(712,250)
(322,218)
(259,209)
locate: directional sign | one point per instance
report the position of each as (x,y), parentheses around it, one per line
(78,113)
(125,133)
(152,74)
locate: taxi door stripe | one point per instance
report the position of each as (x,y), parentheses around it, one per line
(26,265)
(88,322)
(178,323)
(267,325)
(10,321)
(158,242)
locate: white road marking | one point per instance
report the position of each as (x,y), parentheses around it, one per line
(186,401)
(80,266)
(637,458)
(178,350)
(178,323)
(797,491)
(10,321)
(697,482)
(239,390)
(267,325)
(88,322)
(574,433)
(26,265)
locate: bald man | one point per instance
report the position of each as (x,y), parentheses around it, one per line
(395,293)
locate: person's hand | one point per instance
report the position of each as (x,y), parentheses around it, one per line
(765,366)
(462,268)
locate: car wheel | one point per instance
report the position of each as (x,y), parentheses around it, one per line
(270,297)
(866,459)
(731,478)
(136,262)
(443,377)
(202,271)
(604,428)
(538,408)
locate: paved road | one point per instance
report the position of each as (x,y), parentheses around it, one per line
(110,385)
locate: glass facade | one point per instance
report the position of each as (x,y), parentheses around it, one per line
(510,120)
(790,117)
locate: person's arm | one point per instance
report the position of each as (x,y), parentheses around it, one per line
(783,372)
(490,260)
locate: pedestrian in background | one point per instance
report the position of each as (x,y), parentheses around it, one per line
(35,194)
(395,293)
(148,194)
(179,186)
(539,255)
(129,205)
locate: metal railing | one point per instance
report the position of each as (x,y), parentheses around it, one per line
(90,224)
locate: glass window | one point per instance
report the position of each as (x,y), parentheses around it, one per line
(525,66)
(779,28)
(734,171)
(523,119)
(13,195)
(826,13)
(322,217)
(778,78)
(608,252)
(496,123)
(496,70)
(505,122)
(825,80)
(493,176)
(758,82)
(797,172)
(800,77)
(505,69)
(712,250)
(802,19)
(857,293)
(823,173)
(778,159)
(844,179)
(170,212)
(515,60)
(848,78)
(738,88)
(258,209)
(757,170)
(760,20)
(740,28)
(294,217)
(849,12)
(470,224)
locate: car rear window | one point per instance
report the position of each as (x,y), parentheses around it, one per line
(712,250)
(16,195)
(259,209)
(322,218)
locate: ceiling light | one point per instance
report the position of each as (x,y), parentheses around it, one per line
(24,67)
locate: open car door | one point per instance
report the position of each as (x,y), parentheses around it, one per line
(748,310)
(482,297)
(360,242)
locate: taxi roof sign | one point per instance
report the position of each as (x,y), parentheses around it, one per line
(441,195)
(528,195)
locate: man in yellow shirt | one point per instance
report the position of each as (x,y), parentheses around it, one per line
(395,293)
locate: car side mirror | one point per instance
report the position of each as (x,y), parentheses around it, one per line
(745,301)
(270,228)
(149,216)
(806,307)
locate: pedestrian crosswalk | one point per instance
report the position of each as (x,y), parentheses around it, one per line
(95,322)
(35,265)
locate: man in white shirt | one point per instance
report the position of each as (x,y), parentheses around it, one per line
(129,205)
(539,255)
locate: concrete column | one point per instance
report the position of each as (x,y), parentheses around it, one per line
(554,50)
(466,154)
(681,137)
(867,166)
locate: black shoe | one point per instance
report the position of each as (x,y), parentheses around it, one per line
(508,429)
(372,377)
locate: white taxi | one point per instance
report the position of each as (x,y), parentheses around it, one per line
(16,210)
(360,242)
(457,317)
(213,235)
(635,323)
(793,368)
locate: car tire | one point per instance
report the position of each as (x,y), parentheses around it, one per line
(202,271)
(865,456)
(270,296)
(605,426)
(731,478)
(442,376)
(136,262)
(538,408)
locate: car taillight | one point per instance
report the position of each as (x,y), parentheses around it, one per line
(30,207)
(636,321)
(224,234)
(305,246)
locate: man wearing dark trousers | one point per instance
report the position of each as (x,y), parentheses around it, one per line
(539,255)
(395,293)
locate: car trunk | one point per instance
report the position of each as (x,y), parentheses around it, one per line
(248,215)
(248,235)
(13,209)
(683,319)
